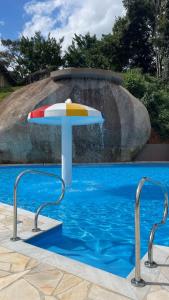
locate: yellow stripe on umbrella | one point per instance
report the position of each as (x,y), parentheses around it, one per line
(74,109)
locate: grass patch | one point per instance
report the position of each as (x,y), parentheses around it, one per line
(4,92)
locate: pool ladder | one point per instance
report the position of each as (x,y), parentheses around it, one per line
(137,281)
(15,218)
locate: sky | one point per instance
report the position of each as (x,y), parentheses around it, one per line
(59,17)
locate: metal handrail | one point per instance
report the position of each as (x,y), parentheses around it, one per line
(15,237)
(150,263)
(137,280)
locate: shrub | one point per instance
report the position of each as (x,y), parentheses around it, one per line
(154,94)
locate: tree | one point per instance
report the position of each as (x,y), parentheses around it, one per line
(162,38)
(149,31)
(9,57)
(114,46)
(138,34)
(85,51)
(28,55)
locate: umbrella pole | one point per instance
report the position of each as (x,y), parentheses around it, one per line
(67,152)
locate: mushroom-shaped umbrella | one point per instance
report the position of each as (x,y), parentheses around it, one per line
(66,115)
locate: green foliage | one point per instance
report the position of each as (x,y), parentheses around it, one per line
(85,51)
(28,55)
(137,34)
(115,45)
(134,82)
(90,52)
(154,94)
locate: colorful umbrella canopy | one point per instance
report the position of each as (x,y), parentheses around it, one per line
(66,115)
(76,114)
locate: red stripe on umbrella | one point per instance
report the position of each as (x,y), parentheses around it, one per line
(39,112)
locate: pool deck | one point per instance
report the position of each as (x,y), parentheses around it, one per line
(28,272)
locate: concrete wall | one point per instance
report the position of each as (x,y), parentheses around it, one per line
(154,152)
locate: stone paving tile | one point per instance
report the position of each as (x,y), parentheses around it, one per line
(67,282)
(45,281)
(7,220)
(20,290)
(5,266)
(98,293)
(17,260)
(5,250)
(164,282)
(31,263)
(41,267)
(9,279)
(4,273)
(158,295)
(5,211)
(78,292)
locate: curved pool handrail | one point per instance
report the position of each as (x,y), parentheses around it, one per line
(15,237)
(137,280)
(150,263)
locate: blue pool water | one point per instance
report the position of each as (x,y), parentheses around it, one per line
(97,211)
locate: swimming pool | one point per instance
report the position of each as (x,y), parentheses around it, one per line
(97,211)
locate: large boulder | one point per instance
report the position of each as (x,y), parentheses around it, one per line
(125,131)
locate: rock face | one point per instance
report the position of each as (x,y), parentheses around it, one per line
(125,131)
